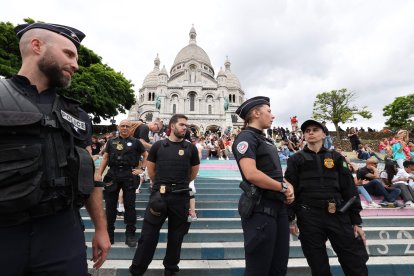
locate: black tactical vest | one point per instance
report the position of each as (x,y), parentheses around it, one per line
(173,165)
(122,152)
(267,161)
(41,169)
(319,175)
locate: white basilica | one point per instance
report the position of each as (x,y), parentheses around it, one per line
(191,89)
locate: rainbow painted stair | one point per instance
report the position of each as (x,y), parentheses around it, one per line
(214,245)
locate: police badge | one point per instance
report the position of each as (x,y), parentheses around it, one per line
(331,207)
(181,152)
(329,163)
(119,147)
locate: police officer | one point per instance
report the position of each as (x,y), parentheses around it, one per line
(122,153)
(262,204)
(172,164)
(46,174)
(327,205)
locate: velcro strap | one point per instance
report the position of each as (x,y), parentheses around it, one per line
(49,122)
(86,171)
(60,182)
(60,150)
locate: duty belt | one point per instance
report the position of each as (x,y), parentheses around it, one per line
(171,188)
(331,205)
(43,209)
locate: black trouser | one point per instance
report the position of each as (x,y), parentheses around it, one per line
(52,245)
(266,241)
(128,187)
(316,225)
(177,213)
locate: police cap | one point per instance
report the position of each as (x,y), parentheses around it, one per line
(313,122)
(250,103)
(70,33)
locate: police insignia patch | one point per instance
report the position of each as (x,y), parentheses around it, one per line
(345,164)
(242,147)
(181,152)
(329,163)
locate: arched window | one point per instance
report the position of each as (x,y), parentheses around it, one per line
(174,109)
(153,96)
(149,96)
(192,101)
(234,98)
(209,98)
(210,111)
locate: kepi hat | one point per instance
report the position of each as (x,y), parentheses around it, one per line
(245,107)
(70,33)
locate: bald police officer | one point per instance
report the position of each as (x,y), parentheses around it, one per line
(122,153)
(172,164)
(327,205)
(46,174)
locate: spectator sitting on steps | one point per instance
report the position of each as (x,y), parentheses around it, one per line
(375,186)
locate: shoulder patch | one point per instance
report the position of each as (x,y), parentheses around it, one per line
(242,147)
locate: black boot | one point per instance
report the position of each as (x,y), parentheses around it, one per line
(169,273)
(135,271)
(131,241)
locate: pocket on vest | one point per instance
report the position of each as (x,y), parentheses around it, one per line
(20,177)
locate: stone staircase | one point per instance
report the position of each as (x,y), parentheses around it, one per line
(214,245)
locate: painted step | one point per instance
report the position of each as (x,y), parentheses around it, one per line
(235,250)
(234,223)
(378,266)
(236,235)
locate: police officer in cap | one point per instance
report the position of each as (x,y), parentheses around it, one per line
(172,164)
(46,173)
(327,205)
(262,206)
(122,153)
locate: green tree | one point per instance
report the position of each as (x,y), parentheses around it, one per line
(400,112)
(336,107)
(103,92)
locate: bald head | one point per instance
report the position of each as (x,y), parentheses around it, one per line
(124,127)
(42,37)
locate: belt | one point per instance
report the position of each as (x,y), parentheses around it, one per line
(318,203)
(171,188)
(41,210)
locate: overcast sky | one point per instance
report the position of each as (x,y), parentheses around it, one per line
(287,50)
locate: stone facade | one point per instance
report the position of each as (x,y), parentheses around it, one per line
(191,89)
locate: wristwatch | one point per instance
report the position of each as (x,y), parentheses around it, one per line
(284,187)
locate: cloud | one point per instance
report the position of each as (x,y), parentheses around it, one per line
(288,50)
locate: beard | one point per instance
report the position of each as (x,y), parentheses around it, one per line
(178,134)
(49,67)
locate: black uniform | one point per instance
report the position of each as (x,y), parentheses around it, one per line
(169,198)
(46,175)
(323,183)
(123,156)
(266,231)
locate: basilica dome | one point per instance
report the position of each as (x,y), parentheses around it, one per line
(151,79)
(192,52)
